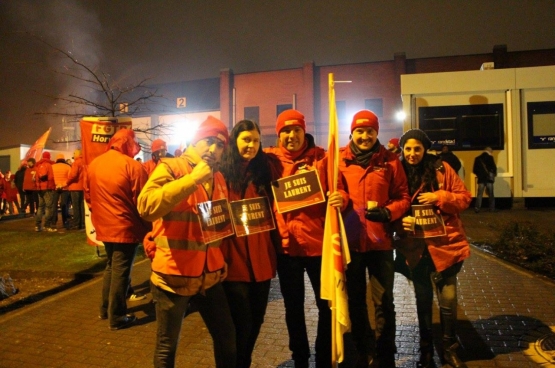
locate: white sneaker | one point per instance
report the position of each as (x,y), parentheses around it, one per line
(136,297)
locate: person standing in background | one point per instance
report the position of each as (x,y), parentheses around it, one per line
(75,181)
(61,172)
(19,178)
(29,186)
(485,169)
(112,186)
(44,182)
(159,150)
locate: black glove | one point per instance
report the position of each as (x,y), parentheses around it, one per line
(378,214)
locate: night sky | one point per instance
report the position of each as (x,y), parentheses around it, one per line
(177,40)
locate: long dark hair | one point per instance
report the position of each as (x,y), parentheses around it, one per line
(257,171)
(422,175)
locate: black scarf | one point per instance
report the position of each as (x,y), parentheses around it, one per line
(362,158)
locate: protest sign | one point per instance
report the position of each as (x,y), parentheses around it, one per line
(251,216)
(428,222)
(297,191)
(215,220)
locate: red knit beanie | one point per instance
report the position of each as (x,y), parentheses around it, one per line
(211,127)
(290,118)
(46,155)
(395,142)
(365,118)
(157,145)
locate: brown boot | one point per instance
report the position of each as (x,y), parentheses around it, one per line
(426,355)
(450,355)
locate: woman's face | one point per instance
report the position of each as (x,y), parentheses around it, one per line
(292,138)
(248,144)
(413,151)
(364,138)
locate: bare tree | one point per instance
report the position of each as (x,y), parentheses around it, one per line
(101,95)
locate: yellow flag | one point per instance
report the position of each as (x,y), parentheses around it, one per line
(335,252)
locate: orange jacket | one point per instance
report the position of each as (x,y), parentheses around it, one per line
(384,181)
(252,257)
(177,236)
(49,184)
(149,166)
(302,230)
(76,174)
(61,171)
(112,186)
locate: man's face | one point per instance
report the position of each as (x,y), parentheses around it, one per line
(210,150)
(30,164)
(248,144)
(414,151)
(364,138)
(292,138)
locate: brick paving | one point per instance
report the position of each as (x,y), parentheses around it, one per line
(503,311)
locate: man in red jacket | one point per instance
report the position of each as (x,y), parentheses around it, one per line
(44,182)
(75,181)
(184,266)
(378,195)
(114,181)
(302,234)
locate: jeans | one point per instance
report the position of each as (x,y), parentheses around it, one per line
(78,209)
(291,280)
(116,280)
(214,310)
(480,194)
(380,266)
(425,278)
(248,302)
(45,208)
(63,198)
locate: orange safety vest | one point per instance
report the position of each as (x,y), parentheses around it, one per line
(180,249)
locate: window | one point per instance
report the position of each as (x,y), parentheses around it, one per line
(282,108)
(341,107)
(375,105)
(252,113)
(465,127)
(541,124)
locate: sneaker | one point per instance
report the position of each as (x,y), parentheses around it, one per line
(124,322)
(136,297)
(38,228)
(51,229)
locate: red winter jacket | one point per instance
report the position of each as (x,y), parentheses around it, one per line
(384,181)
(302,230)
(76,174)
(49,184)
(114,181)
(453,198)
(252,257)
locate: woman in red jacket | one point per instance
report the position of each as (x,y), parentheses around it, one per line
(439,258)
(251,259)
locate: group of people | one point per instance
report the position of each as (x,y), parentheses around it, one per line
(39,188)
(228,280)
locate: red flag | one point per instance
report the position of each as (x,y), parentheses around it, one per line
(36,149)
(335,252)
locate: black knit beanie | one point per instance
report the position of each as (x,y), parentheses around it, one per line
(418,135)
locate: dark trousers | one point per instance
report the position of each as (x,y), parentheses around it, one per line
(291,280)
(61,198)
(78,209)
(425,278)
(214,310)
(247,302)
(32,200)
(116,280)
(380,266)
(45,208)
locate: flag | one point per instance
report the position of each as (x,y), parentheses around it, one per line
(36,149)
(335,252)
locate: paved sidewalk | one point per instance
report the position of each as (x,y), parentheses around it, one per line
(503,311)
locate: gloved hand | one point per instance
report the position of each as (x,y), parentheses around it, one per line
(378,214)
